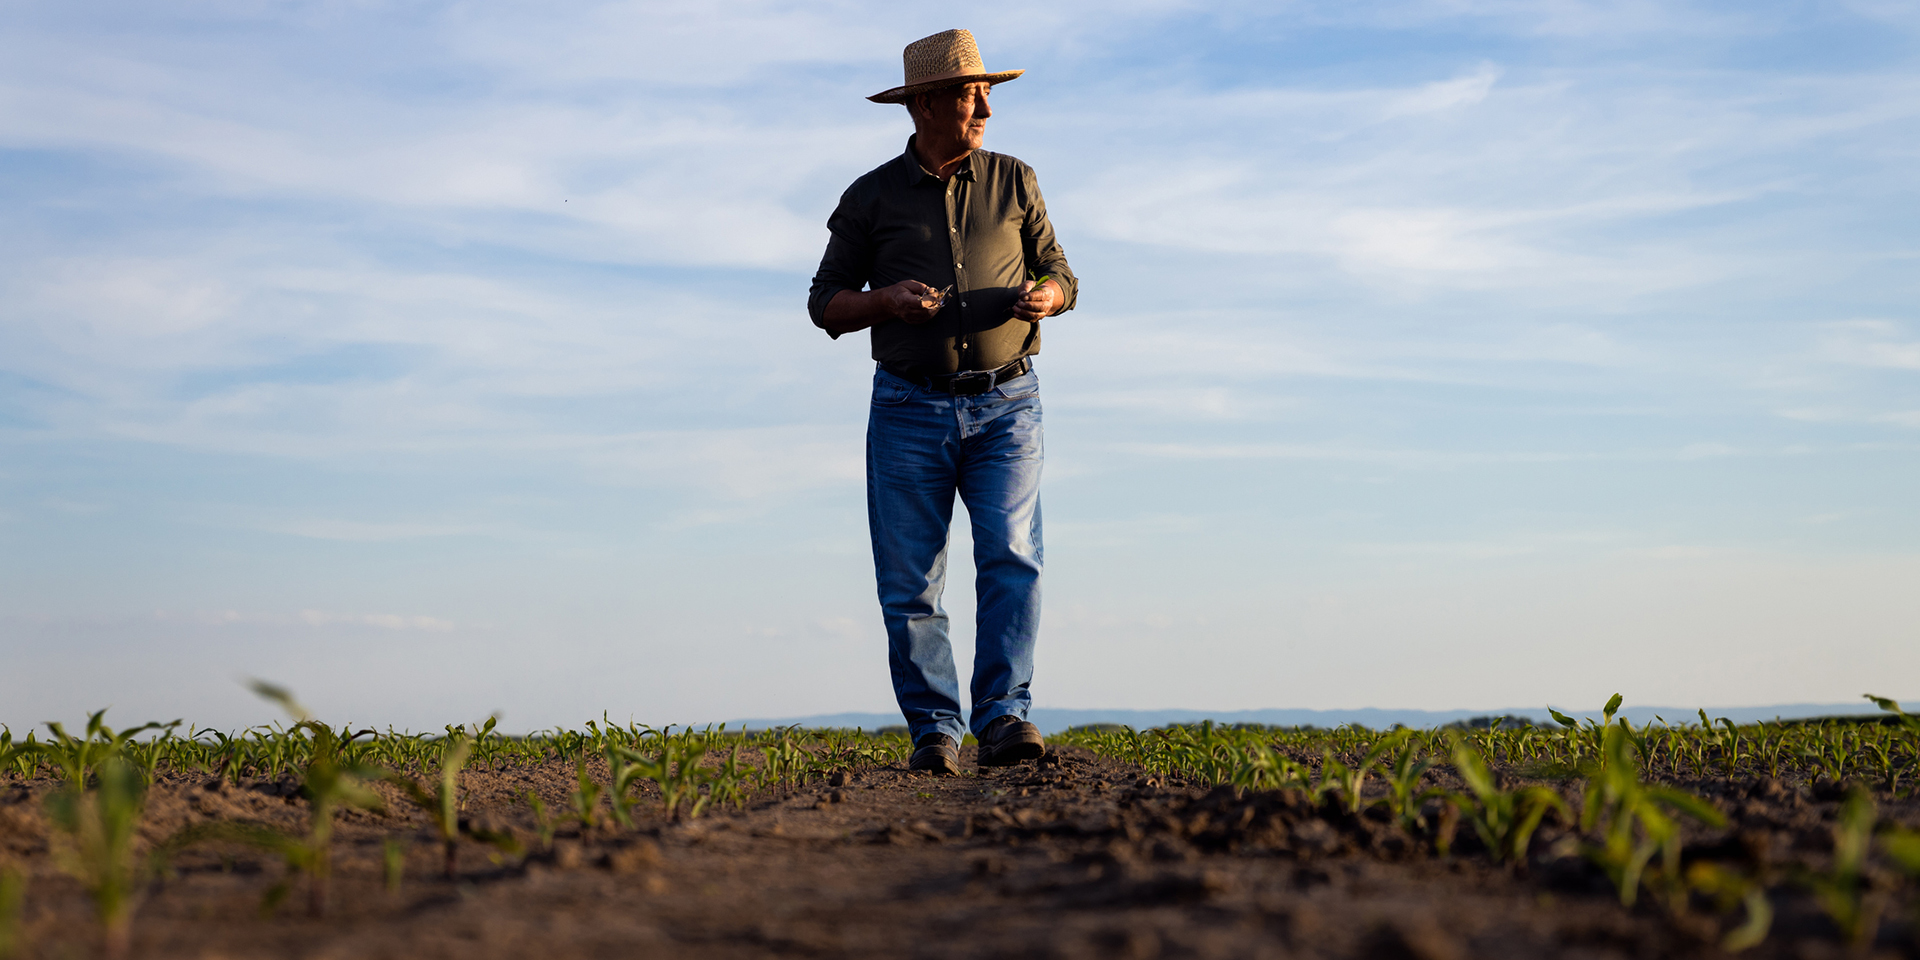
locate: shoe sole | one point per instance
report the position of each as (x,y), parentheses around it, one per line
(943,768)
(1009,754)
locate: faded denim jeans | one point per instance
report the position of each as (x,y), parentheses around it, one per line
(923,446)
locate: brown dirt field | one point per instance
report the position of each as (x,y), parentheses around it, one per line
(1069,856)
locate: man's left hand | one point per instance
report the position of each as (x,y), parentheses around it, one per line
(1037,302)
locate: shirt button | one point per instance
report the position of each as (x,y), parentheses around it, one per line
(953,229)
(963,303)
(956,266)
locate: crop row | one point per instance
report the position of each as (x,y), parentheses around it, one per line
(1628,812)
(1631,824)
(105,775)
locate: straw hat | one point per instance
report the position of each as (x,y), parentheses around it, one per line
(942,60)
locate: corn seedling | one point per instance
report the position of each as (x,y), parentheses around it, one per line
(1405,797)
(1890,770)
(1841,890)
(1263,768)
(676,769)
(1903,847)
(543,824)
(393,860)
(1636,818)
(783,760)
(1908,720)
(585,799)
(1727,742)
(13,896)
(97,842)
(20,759)
(623,768)
(78,756)
(730,781)
(1729,889)
(329,783)
(1504,819)
(1352,779)
(442,803)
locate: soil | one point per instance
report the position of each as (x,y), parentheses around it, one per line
(1072,855)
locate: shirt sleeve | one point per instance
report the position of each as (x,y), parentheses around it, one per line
(848,262)
(1043,254)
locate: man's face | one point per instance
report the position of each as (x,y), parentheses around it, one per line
(956,115)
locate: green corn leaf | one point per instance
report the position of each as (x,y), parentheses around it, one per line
(280,695)
(1903,847)
(1693,806)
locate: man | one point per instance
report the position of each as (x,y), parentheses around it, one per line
(958,264)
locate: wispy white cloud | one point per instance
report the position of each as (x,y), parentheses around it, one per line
(310,617)
(1872,343)
(364,532)
(384,621)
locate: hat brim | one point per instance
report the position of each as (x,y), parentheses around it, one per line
(900,94)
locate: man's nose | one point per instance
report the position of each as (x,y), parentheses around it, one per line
(980,109)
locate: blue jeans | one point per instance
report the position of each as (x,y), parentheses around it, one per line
(923,446)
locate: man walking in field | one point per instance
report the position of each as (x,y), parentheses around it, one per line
(945,254)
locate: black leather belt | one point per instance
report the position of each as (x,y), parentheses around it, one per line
(966,383)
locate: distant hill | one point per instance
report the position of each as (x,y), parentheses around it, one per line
(1054,720)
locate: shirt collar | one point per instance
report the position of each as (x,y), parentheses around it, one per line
(914,172)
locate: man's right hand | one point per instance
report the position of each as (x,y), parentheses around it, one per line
(911,300)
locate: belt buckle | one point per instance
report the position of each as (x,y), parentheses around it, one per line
(971,383)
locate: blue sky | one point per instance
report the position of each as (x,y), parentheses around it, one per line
(436,359)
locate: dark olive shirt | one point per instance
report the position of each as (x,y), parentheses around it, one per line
(984,230)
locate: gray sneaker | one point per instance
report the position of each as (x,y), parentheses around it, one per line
(1009,740)
(936,753)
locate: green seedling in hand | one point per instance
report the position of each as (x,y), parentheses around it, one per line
(1035,285)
